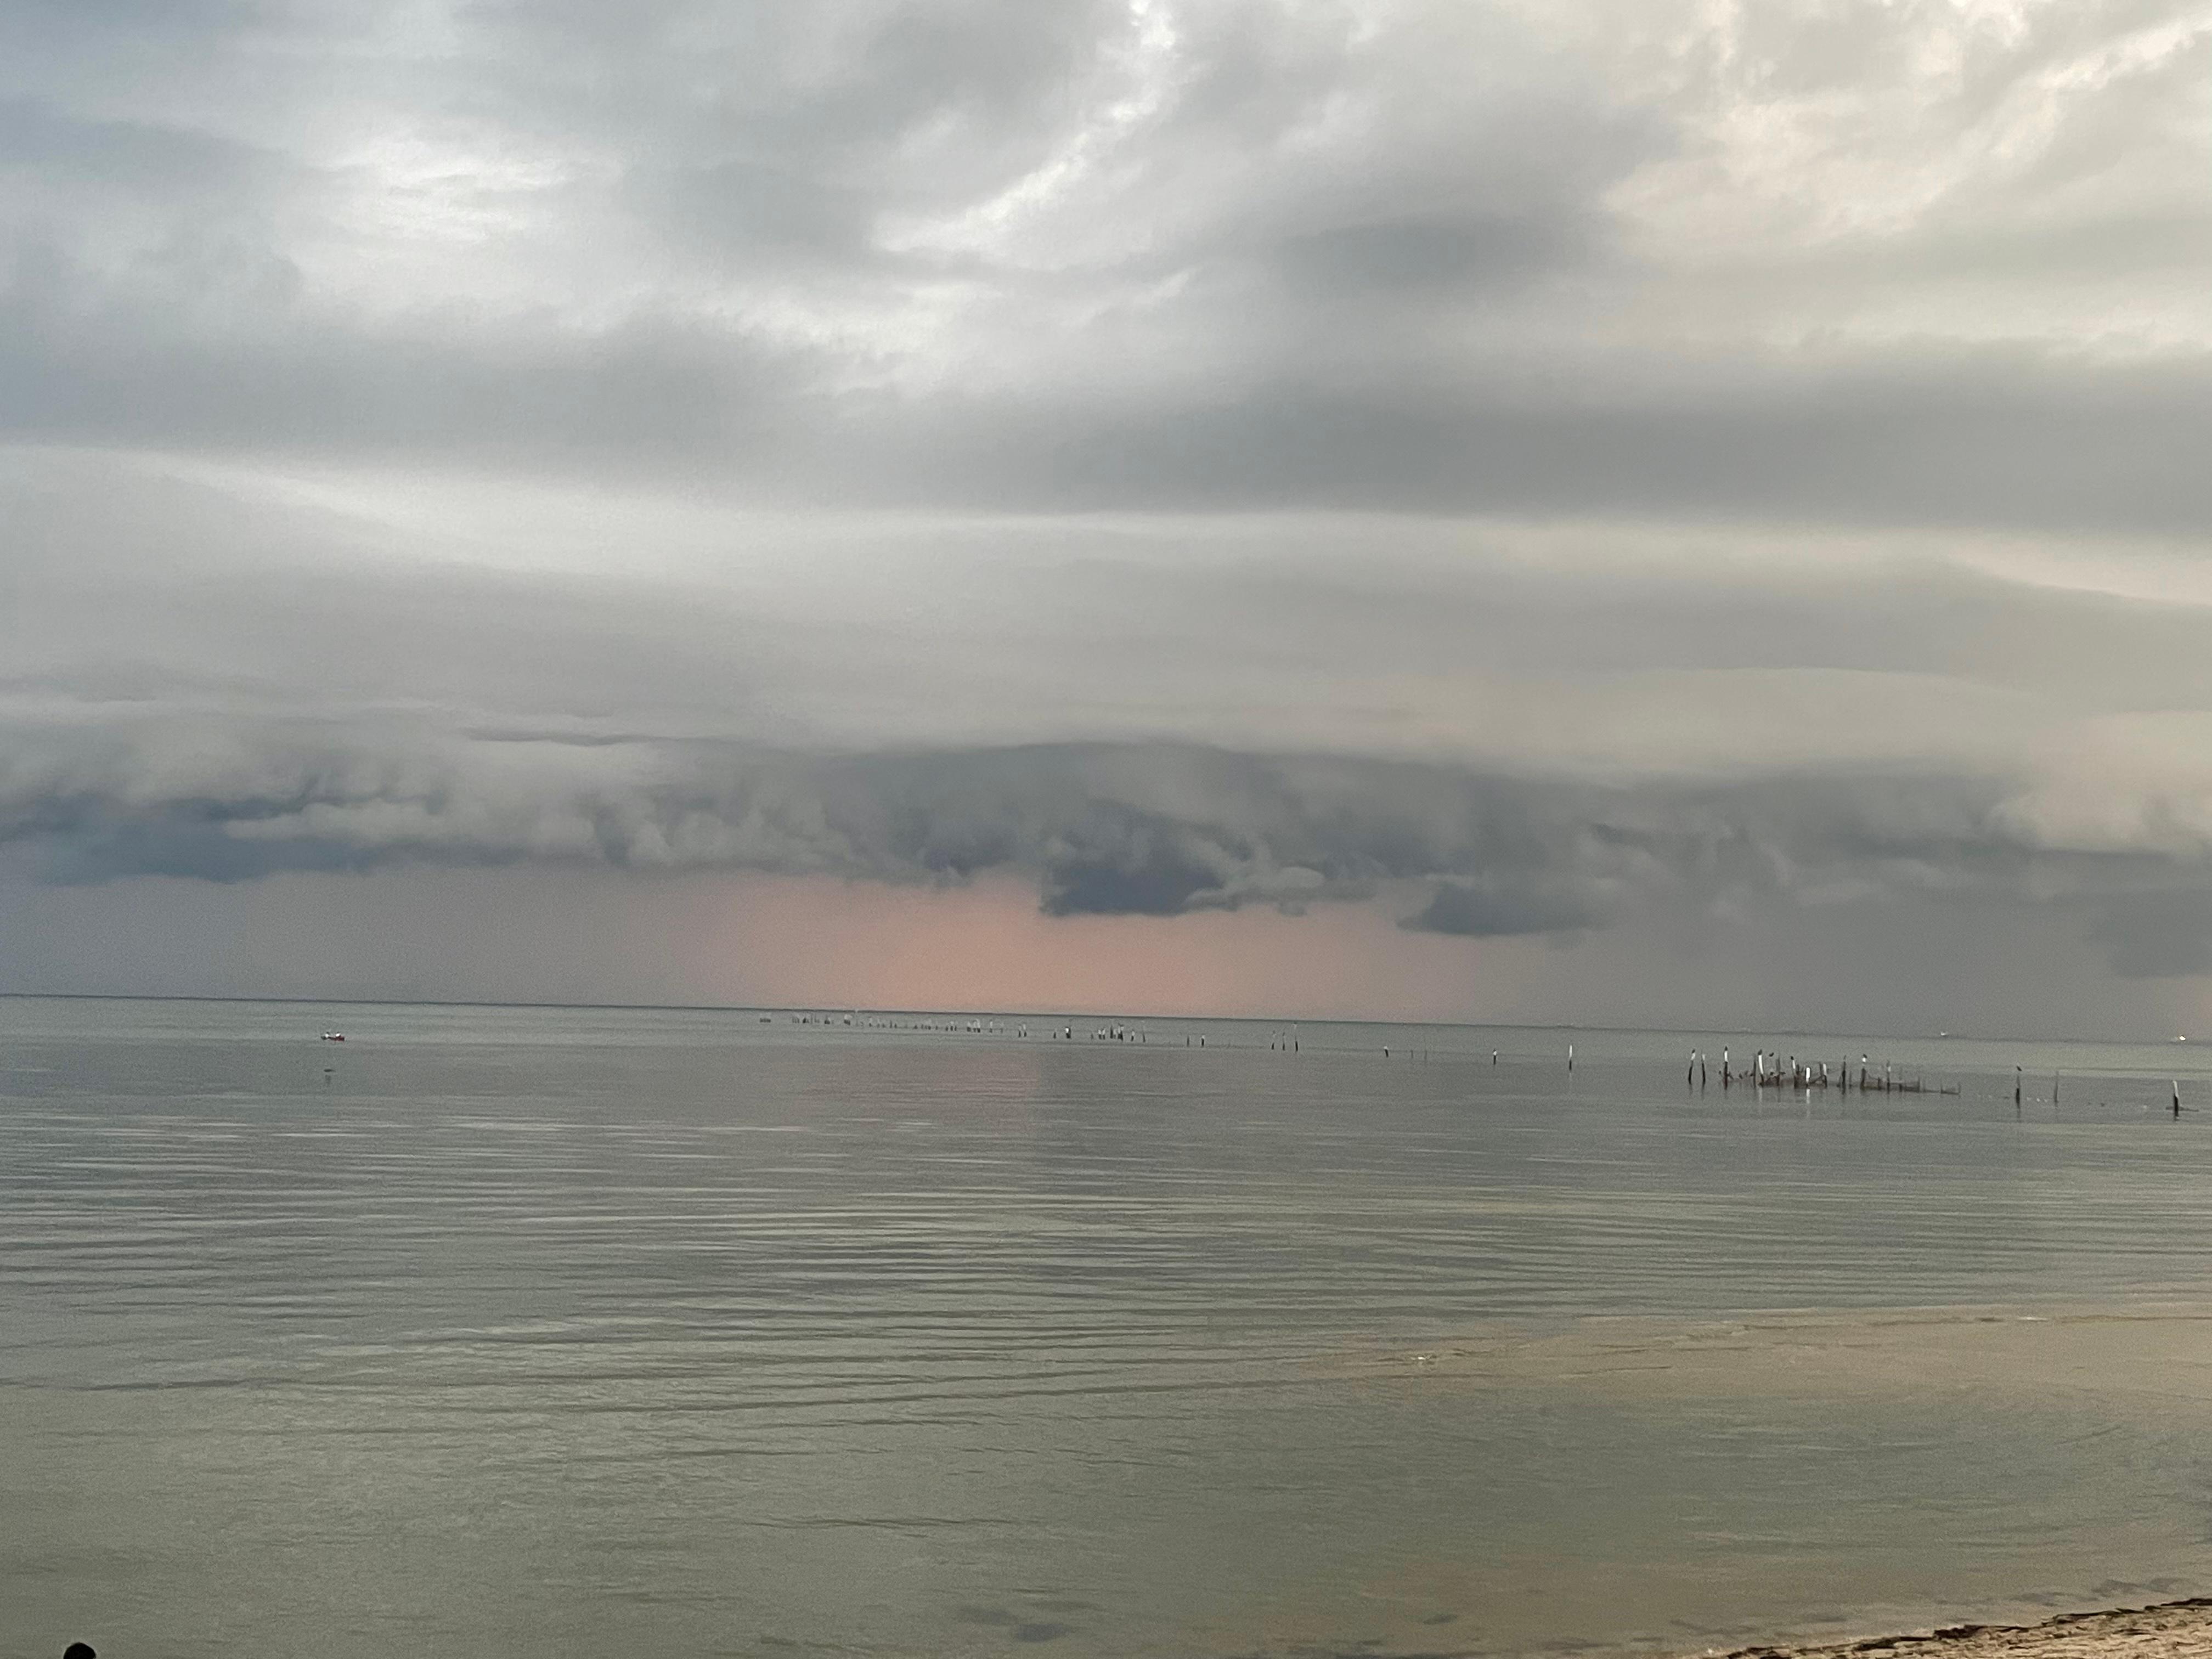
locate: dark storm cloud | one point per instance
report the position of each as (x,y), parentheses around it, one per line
(1995,440)
(2155,935)
(1471,911)
(1145,830)
(1119,830)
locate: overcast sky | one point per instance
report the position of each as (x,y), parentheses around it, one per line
(1634,511)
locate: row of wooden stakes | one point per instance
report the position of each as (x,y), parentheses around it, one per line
(1771,1072)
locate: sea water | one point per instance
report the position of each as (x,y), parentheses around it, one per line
(586,1331)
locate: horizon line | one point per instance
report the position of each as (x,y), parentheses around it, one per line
(1018,1013)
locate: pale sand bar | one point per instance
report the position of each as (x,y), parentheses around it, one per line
(2171,1630)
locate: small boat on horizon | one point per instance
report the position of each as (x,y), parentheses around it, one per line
(334,1036)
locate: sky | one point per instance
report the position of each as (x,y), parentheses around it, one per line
(1645,512)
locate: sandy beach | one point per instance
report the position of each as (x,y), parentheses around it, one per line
(2169,1629)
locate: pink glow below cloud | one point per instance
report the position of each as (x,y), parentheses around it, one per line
(812,941)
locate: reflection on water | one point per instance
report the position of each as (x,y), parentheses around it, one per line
(543,1331)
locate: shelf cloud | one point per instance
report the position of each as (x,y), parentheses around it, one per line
(1511,473)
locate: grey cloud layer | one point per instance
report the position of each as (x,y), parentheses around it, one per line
(1384,255)
(1709,741)
(1491,734)
(1143,829)
(1137,829)
(1530,466)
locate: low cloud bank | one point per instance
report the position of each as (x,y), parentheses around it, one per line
(1103,829)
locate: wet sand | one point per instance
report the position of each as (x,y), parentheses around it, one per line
(2170,1630)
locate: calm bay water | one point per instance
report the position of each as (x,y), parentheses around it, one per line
(538,1331)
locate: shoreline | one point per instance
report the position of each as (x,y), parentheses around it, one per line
(2180,1629)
